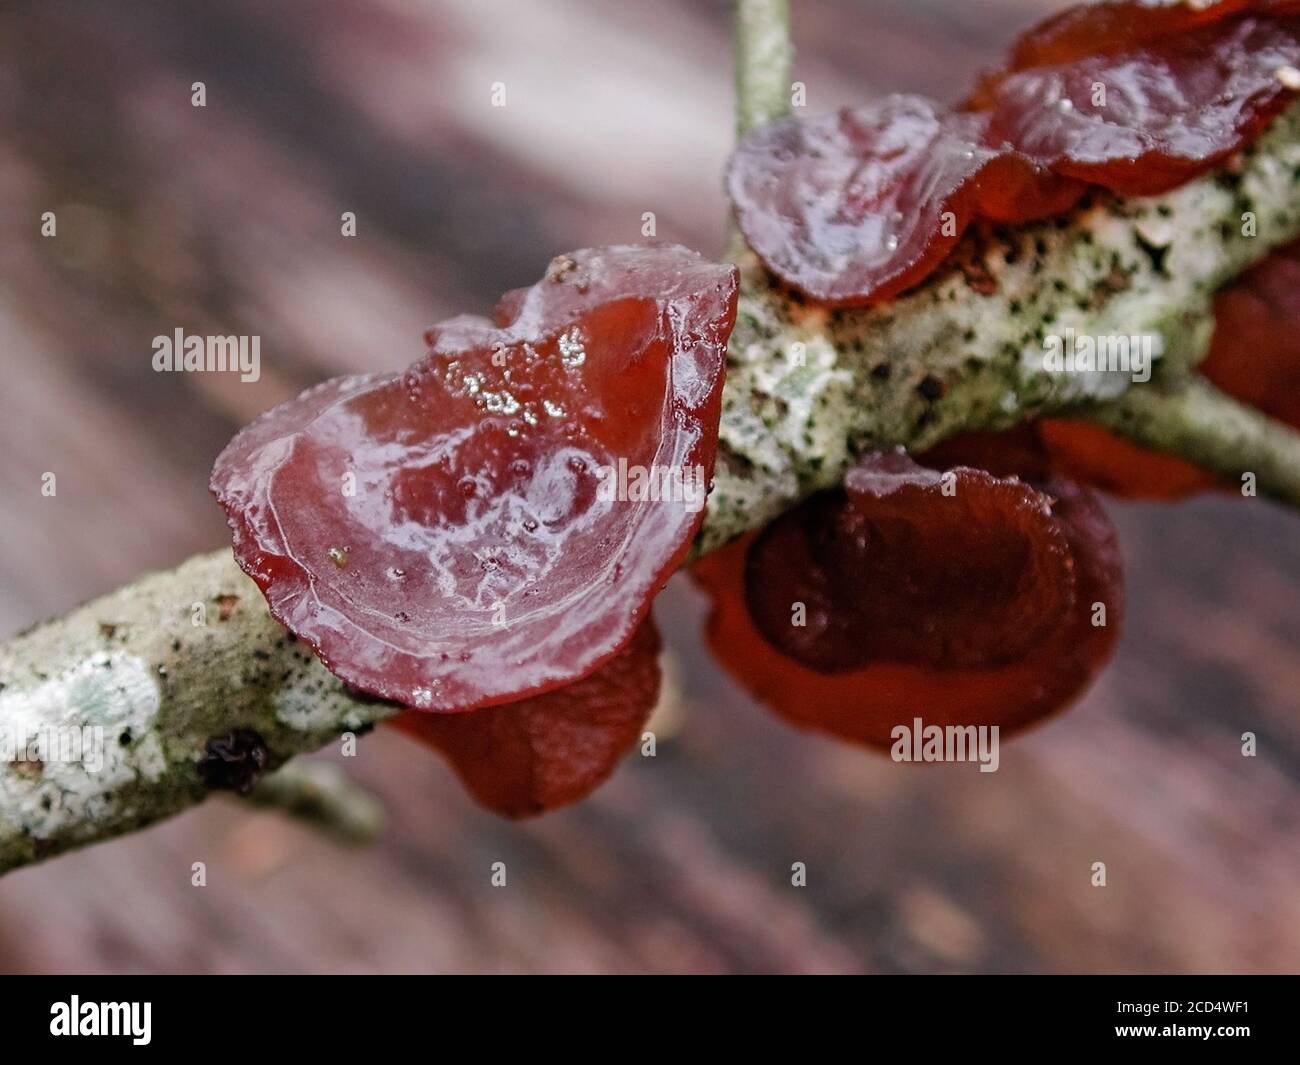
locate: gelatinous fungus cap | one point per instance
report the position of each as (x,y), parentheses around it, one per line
(444,537)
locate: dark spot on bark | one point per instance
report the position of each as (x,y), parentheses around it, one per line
(930,387)
(1114,282)
(235,761)
(125,738)
(977,275)
(881,371)
(226,606)
(107,629)
(1155,253)
(261,655)
(176,645)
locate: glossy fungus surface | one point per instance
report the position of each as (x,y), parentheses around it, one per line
(454,536)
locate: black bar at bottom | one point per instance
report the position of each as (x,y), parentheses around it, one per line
(338,1015)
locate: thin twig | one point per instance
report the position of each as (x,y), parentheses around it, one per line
(764,57)
(322,795)
(1197,422)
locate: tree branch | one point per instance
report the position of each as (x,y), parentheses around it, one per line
(156,679)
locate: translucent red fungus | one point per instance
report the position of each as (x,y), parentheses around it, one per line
(1144,118)
(914,671)
(1117,25)
(863,203)
(1097,457)
(549,750)
(912,565)
(442,537)
(854,207)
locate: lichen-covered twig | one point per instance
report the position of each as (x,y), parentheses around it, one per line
(178,685)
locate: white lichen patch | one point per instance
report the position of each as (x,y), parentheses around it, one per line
(73,742)
(316,706)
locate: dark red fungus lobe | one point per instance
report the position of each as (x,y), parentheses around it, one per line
(440,536)
(1016,452)
(854,207)
(1255,353)
(1116,26)
(912,565)
(550,750)
(1144,118)
(234,761)
(928,654)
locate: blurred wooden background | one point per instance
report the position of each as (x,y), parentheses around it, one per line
(226,220)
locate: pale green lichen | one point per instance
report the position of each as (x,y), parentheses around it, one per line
(73,741)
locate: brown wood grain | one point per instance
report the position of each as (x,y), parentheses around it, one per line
(226,219)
